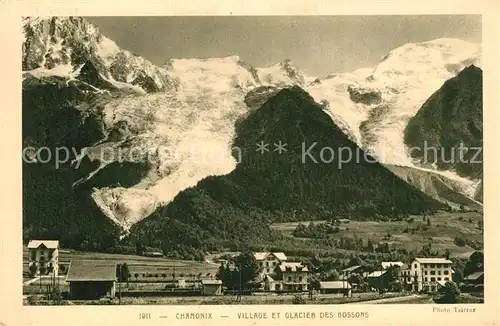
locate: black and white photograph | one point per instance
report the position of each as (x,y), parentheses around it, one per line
(252,160)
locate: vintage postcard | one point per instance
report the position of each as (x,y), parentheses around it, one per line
(220,162)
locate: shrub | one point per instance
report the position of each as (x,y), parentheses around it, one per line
(460,241)
(449,293)
(299,299)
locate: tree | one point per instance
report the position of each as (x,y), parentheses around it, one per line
(136,275)
(248,268)
(242,274)
(123,273)
(333,275)
(411,220)
(428,221)
(62,269)
(460,241)
(42,269)
(139,248)
(32,270)
(447,253)
(225,275)
(449,293)
(392,273)
(356,279)
(474,264)
(369,246)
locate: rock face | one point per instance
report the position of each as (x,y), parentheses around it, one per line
(139,134)
(300,182)
(447,190)
(376,105)
(65,43)
(452,117)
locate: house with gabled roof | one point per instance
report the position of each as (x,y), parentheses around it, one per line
(336,287)
(363,271)
(268,261)
(387,264)
(43,257)
(91,279)
(293,277)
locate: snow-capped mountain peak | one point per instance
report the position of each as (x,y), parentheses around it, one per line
(54,42)
(281,74)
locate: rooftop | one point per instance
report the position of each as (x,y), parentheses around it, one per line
(263,255)
(474,276)
(387,264)
(91,270)
(433,260)
(50,244)
(335,285)
(211,282)
(376,274)
(352,268)
(293,267)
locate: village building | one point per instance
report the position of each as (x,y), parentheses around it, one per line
(211,287)
(476,278)
(270,284)
(91,279)
(473,282)
(293,277)
(387,264)
(430,273)
(153,254)
(180,283)
(44,255)
(355,270)
(377,279)
(268,261)
(406,278)
(341,288)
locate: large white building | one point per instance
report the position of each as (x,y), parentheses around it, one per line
(44,254)
(429,274)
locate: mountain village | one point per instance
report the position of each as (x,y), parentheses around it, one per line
(182,229)
(275,276)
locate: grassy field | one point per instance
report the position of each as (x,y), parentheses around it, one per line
(147,269)
(441,232)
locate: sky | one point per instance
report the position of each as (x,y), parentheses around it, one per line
(317,45)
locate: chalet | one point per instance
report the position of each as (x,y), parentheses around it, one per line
(342,288)
(293,277)
(44,255)
(377,279)
(476,278)
(354,270)
(406,279)
(268,261)
(211,287)
(91,279)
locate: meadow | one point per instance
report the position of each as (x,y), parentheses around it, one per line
(440,232)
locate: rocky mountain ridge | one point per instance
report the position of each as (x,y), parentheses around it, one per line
(179,119)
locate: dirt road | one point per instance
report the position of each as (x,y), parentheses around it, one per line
(403,299)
